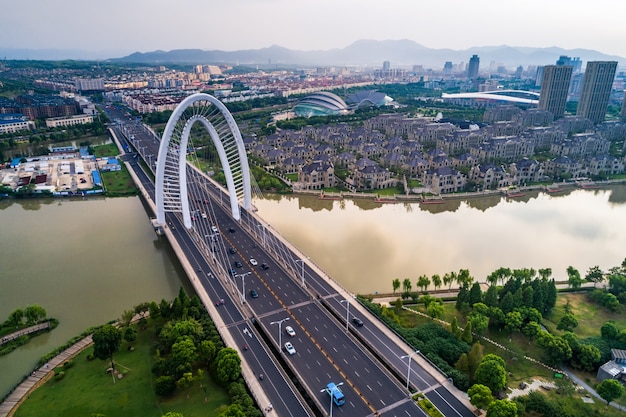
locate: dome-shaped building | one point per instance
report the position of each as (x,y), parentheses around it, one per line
(321,104)
(368,99)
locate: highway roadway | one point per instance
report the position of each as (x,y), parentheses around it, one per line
(325,351)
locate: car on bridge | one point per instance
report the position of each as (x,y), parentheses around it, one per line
(238,264)
(253,261)
(335,393)
(265,266)
(357,321)
(231,250)
(290,349)
(290,331)
(254,294)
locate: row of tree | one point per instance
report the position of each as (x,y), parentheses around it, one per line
(24,317)
(187,346)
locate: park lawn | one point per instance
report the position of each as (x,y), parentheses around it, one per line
(103,151)
(119,182)
(88,390)
(590,316)
(520,369)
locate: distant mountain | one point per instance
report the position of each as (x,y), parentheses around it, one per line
(57,54)
(400,53)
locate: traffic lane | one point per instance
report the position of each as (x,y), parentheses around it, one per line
(367,377)
(273,383)
(384,346)
(407,408)
(448,404)
(311,365)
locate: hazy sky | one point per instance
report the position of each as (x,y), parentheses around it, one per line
(123,26)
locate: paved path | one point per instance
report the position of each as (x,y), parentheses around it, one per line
(39,376)
(32,329)
(589,389)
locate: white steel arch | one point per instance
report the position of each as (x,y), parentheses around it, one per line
(171,168)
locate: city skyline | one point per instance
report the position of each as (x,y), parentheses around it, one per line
(124,27)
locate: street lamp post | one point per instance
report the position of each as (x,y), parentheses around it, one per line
(280,333)
(243,285)
(330,408)
(302,274)
(408,373)
(347,312)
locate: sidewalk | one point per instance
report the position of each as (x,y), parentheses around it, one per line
(40,376)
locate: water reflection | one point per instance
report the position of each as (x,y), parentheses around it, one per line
(364,245)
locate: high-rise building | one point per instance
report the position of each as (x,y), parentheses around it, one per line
(554,89)
(596,90)
(447,68)
(386,65)
(472,69)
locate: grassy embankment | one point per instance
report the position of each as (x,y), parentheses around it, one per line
(590,318)
(116,183)
(87,390)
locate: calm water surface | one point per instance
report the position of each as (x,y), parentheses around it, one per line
(365,245)
(84,261)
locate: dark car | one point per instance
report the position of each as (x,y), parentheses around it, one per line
(238,264)
(357,321)
(233,272)
(254,294)
(231,230)
(231,250)
(265,266)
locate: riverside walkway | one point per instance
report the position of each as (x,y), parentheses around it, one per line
(16,335)
(40,376)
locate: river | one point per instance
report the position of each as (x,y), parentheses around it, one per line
(86,261)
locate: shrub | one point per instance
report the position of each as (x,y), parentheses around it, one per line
(68,364)
(59,376)
(164,386)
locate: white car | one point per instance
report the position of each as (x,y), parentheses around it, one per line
(253,262)
(290,349)
(214,229)
(289,330)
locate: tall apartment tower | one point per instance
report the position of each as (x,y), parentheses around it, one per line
(554,88)
(596,90)
(472,68)
(386,65)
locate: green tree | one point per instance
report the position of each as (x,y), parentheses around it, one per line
(454,327)
(436,280)
(574,280)
(462,364)
(34,314)
(15,318)
(595,275)
(406,287)
(567,323)
(395,284)
(479,322)
(474,358)
(475,294)
(502,408)
(233,410)
(531,330)
(164,385)
(184,353)
(423,282)
(398,304)
(106,341)
(609,330)
(513,321)
(449,279)
(467,336)
(491,373)
(435,309)
(228,365)
(130,334)
(491,296)
(587,357)
(610,390)
(480,396)
(185,382)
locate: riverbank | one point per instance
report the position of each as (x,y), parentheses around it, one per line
(514,192)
